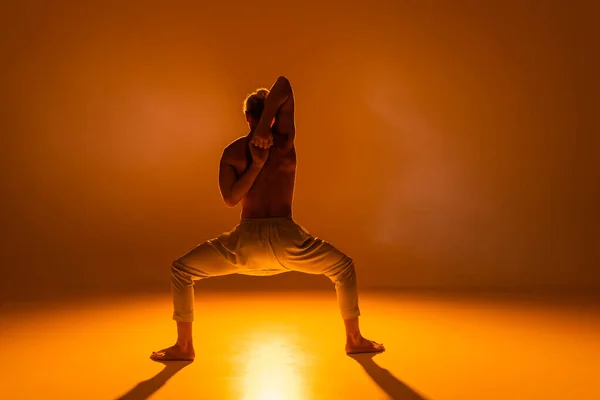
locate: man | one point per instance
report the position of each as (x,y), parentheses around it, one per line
(258,170)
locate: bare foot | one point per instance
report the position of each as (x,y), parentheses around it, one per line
(174,353)
(363,346)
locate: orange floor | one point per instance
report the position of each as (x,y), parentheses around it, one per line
(271,346)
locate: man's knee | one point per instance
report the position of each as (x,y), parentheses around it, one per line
(181,272)
(344,271)
(348,271)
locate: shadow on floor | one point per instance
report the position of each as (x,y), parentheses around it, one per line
(391,385)
(147,388)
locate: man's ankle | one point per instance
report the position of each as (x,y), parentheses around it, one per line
(353,337)
(184,344)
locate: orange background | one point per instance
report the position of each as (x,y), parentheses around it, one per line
(441,145)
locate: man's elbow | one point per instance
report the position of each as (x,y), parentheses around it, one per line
(285,82)
(230,202)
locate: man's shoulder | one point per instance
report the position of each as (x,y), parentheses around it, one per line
(236,149)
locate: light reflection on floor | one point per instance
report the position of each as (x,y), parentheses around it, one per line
(290,347)
(272,368)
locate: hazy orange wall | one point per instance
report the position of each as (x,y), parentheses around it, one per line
(438,144)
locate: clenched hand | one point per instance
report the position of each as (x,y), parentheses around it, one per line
(259,155)
(262,141)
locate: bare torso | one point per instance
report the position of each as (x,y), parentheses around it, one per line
(272,193)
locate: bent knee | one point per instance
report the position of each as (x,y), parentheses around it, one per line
(344,271)
(177,266)
(179,270)
(349,271)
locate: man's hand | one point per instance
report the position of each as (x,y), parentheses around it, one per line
(262,141)
(259,155)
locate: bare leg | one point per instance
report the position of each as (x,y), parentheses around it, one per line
(183,350)
(356,343)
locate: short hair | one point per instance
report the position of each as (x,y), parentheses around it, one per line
(254,104)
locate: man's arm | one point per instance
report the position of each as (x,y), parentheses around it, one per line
(279,105)
(233,189)
(284,120)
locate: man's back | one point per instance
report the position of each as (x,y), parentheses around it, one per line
(272,193)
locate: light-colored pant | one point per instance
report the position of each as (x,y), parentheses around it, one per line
(263,246)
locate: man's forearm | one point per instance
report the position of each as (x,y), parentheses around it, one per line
(241,187)
(278,94)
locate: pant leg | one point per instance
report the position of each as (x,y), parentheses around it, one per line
(214,257)
(298,250)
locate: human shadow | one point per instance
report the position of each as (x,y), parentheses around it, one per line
(394,387)
(147,388)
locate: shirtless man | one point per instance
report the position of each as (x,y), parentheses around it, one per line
(259,170)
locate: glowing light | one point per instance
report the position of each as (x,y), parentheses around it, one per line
(272,368)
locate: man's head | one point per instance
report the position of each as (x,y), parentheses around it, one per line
(254,106)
